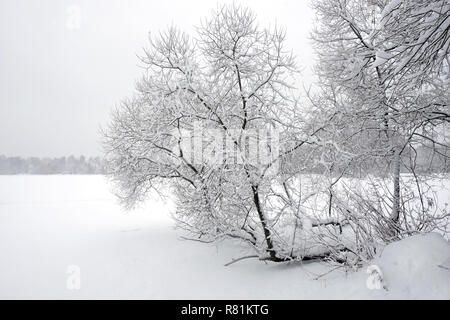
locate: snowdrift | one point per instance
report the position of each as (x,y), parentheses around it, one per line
(417,267)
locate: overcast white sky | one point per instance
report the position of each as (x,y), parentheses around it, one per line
(65,64)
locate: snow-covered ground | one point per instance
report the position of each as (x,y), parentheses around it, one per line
(52,227)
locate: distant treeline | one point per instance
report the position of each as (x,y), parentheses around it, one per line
(62,165)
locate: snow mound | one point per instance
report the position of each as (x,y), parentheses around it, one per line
(417,267)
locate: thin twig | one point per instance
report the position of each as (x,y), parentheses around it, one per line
(239,259)
(328,272)
(443,267)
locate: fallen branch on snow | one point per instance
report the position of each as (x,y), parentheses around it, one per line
(323,256)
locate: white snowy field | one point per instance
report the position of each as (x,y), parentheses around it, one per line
(49,223)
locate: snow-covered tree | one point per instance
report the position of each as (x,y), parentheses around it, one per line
(214,117)
(229,88)
(383,68)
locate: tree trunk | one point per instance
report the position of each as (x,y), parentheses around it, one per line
(396,191)
(267,233)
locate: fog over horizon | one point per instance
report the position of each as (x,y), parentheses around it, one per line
(65,64)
